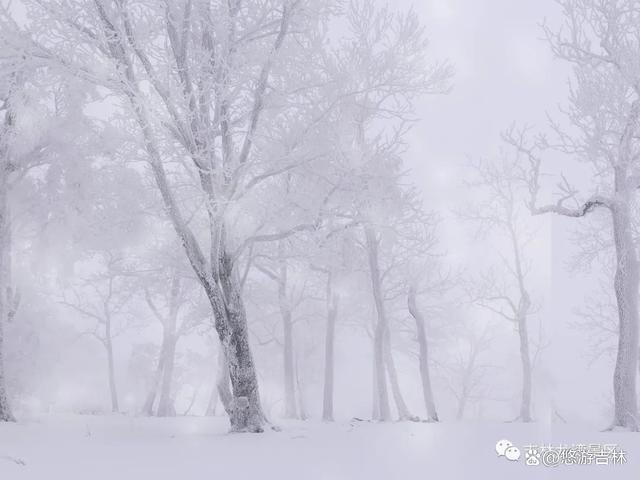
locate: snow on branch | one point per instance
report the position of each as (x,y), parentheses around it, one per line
(531,177)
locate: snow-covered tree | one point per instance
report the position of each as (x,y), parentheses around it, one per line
(173,302)
(600,41)
(102,298)
(505,291)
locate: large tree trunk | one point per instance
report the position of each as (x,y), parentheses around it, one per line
(626,290)
(223,292)
(217,279)
(423,356)
(403,410)
(525,358)
(108,343)
(247,415)
(329,343)
(5,410)
(381,326)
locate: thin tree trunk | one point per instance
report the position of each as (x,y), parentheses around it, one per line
(524,305)
(155,385)
(5,410)
(375,400)
(329,343)
(212,406)
(289,381)
(191,403)
(401,406)
(111,369)
(466,390)
(381,325)
(163,377)
(525,407)
(222,383)
(467,381)
(302,406)
(287,327)
(626,290)
(165,404)
(6,414)
(462,404)
(425,374)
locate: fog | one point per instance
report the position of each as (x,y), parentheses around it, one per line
(326,221)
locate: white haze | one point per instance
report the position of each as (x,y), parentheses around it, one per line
(90,226)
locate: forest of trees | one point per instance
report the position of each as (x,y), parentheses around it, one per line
(211,198)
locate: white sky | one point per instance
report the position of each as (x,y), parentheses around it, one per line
(504,73)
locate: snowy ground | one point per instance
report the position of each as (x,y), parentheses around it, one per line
(124,448)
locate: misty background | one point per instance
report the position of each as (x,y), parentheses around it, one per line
(505,74)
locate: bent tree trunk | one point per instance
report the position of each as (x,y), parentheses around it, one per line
(247,415)
(403,410)
(220,167)
(329,343)
(381,326)
(423,356)
(221,288)
(626,290)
